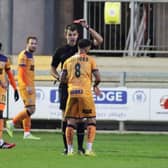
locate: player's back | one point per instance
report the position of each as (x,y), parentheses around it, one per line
(79,68)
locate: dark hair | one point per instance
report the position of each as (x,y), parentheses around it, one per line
(31,37)
(82,43)
(71,27)
(0,45)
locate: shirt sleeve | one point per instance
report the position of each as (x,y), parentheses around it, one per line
(10,74)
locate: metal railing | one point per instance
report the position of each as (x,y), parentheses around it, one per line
(142,31)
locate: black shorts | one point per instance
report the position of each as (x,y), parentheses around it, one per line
(63,95)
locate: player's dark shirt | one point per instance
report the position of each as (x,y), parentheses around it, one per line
(63,53)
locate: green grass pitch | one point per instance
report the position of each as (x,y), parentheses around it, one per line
(113,151)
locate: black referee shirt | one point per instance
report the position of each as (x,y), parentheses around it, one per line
(63,53)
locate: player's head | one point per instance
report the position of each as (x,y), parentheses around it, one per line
(31,43)
(84,45)
(71,34)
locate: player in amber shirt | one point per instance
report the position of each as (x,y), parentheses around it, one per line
(5,70)
(77,73)
(26,89)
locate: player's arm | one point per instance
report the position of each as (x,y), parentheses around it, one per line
(10,74)
(96,74)
(13,83)
(11,78)
(54,65)
(54,73)
(97,38)
(97,77)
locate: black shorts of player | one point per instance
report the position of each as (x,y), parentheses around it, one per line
(63,95)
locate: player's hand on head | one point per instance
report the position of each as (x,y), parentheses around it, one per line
(82,22)
(79,21)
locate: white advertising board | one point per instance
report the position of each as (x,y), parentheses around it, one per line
(47,104)
(123,104)
(158,111)
(134,104)
(113,104)
(138,104)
